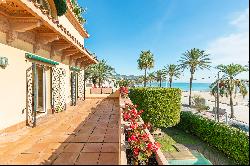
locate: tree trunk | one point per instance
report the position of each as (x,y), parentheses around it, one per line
(145,78)
(99,83)
(190,89)
(231,97)
(231,105)
(160,82)
(170,82)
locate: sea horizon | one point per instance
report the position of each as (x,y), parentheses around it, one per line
(184,86)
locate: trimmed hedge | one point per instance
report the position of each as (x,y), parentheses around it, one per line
(161,106)
(231,141)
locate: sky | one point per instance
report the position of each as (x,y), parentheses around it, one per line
(120,29)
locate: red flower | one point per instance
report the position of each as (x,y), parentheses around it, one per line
(134,126)
(136,151)
(126,116)
(150,146)
(133,138)
(140,112)
(158,145)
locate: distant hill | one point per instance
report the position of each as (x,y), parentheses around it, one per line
(129,77)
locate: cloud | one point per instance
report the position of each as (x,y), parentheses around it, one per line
(233,48)
(242,21)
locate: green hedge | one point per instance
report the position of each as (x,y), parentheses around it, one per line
(231,141)
(61,7)
(161,105)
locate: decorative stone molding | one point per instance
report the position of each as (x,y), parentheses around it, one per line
(24,24)
(4,27)
(77,55)
(11,36)
(27,36)
(63,57)
(3,1)
(52,53)
(37,46)
(59,46)
(70,61)
(70,51)
(45,38)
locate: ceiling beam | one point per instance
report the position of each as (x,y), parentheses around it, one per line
(45,38)
(70,51)
(24,24)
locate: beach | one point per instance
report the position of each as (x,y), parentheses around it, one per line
(241,108)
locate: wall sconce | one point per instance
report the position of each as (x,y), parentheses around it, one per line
(3,62)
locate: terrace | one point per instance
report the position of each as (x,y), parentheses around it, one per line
(86,134)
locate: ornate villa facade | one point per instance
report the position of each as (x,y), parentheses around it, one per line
(42,60)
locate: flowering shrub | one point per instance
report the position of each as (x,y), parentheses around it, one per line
(124,92)
(130,113)
(138,139)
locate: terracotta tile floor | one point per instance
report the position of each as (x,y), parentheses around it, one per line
(84,134)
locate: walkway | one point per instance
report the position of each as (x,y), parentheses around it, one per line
(85,134)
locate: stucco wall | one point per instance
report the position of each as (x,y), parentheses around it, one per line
(67,24)
(13,84)
(13,87)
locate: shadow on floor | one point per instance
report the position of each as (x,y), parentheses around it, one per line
(94,140)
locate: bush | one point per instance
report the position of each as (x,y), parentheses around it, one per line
(61,7)
(161,105)
(200,103)
(231,141)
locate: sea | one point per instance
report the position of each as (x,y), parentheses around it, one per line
(183,86)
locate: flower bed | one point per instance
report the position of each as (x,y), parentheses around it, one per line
(124,92)
(138,145)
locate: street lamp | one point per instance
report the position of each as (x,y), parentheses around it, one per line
(218,96)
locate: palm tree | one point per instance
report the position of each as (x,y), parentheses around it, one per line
(151,77)
(229,85)
(194,59)
(101,72)
(139,80)
(145,61)
(160,76)
(173,71)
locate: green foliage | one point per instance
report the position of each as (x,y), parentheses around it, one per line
(78,10)
(61,7)
(200,103)
(231,141)
(172,70)
(194,59)
(228,84)
(151,77)
(166,143)
(145,61)
(161,106)
(100,72)
(160,76)
(124,83)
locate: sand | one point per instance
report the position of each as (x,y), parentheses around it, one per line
(241,108)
